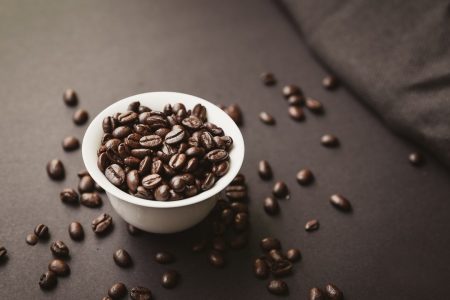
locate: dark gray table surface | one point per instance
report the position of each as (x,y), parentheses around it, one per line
(394,245)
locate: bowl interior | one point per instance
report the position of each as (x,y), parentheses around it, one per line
(156,101)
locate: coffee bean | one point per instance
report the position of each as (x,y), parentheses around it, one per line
(170,279)
(70,97)
(59,267)
(76,231)
(240,221)
(293,255)
(296,113)
(314,105)
(48,280)
(234,111)
(305,177)
(122,258)
(416,159)
(140,293)
(3,253)
(178,161)
(280,190)
(296,100)
(279,265)
(91,200)
(164,257)
(141,152)
(333,292)
(115,174)
(32,239)
(217,155)
(69,196)
(117,291)
(80,116)
(340,202)
(214,129)
(133,180)
(239,207)
(102,161)
(145,166)
(330,82)
(260,268)
(109,124)
(102,224)
(41,231)
(86,184)
(268,78)
(127,117)
(312,225)
(107,298)
(216,259)
(289,90)
(55,169)
(133,230)
(329,140)
(134,106)
(238,241)
(150,141)
(271,206)
(236,192)
(264,170)
(270,243)
(151,181)
(209,181)
(266,118)
(162,193)
(192,122)
(277,287)
(142,193)
(70,143)
(59,249)
(221,169)
(239,179)
(121,132)
(316,294)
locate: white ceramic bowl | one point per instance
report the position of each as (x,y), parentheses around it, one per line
(157,216)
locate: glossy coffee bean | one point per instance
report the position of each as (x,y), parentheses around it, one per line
(41,231)
(70,97)
(48,280)
(115,174)
(133,180)
(162,193)
(69,196)
(271,206)
(416,158)
(330,82)
(236,192)
(333,292)
(291,89)
(264,170)
(296,100)
(32,239)
(118,291)
(170,279)
(260,268)
(91,199)
(3,253)
(150,141)
(216,259)
(270,243)
(268,78)
(122,258)
(314,105)
(280,190)
(305,177)
(293,255)
(140,293)
(55,169)
(200,112)
(164,257)
(239,207)
(134,106)
(296,113)
(266,118)
(59,249)
(59,267)
(316,294)
(76,231)
(277,287)
(279,265)
(102,224)
(235,113)
(312,225)
(240,221)
(151,181)
(86,184)
(80,116)
(70,143)
(340,202)
(329,140)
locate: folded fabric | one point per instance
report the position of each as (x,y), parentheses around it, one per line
(394,54)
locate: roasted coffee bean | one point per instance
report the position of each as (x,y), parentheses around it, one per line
(156,122)
(178,184)
(41,231)
(118,291)
(141,152)
(329,140)
(266,118)
(162,193)
(264,170)
(191,165)
(236,192)
(240,221)
(175,136)
(133,230)
(238,241)
(32,239)
(127,117)
(239,207)
(133,180)
(144,108)
(195,151)
(214,129)
(48,280)
(157,167)
(271,206)
(140,293)
(270,243)
(234,111)
(86,184)
(141,129)
(333,292)
(209,181)
(106,137)
(150,141)
(55,169)
(80,116)
(83,173)
(314,105)
(219,244)
(70,143)
(340,202)
(221,169)
(293,254)
(170,279)
(279,266)
(102,161)
(168,109)
(178,161)
(260,268)
(330,82)
(76,231)
(121,132)
(192,122)
(280,190)
(305,177)
(102,224)
(107,298)
(134,106)
(216,259)
(151,181)
(115,174)
(217,155)
(59,249)
(199,111)
(296,100)
(69,196)
(145,166)
(143,193)
(164,257)
(122,258)
(206,139)
(312,225)
(316,294)
(296,113)
(289,90)
(109,124)
(91,199)
(59,267)
(3,253)
(227,216)
(70,97)
(268,78)
(416,159)
(277,287)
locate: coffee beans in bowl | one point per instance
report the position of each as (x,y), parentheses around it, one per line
(163,155)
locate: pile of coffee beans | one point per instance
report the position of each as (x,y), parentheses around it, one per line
(119,290)
(163,155)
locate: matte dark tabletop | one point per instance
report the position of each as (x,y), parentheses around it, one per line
(394,245)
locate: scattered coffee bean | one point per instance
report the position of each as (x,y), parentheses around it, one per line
(140,293)
(32,239)
(290,90)
(216,259)
(70,143)
(55,169)
(122,258)
(264,170)
(59,267)
(236,192)
(170,279)
(48,280)
(316,294)
(279,265)
(330,82)
(91,200)
(240,221)
(329,140)
(107,298)
(102,224)
(333,292)
(277,287)
(296,113)
(340,202)
(293,255)
(59,249)
(266,118)
(271,206)
(312,225)
(260,268)
(41,231)
(117,291)
(315,106)
(76,231)
(296,100)
(69,196)
(86,184)
(70,97)
(199,246)
(305,177)
(164,257)
(280,190)
(133,230)
(3,252)
(235,113)
(268,78)
(270,243)
(416,159)
(239,207)
(80,116)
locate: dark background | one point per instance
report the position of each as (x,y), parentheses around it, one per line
(395,245)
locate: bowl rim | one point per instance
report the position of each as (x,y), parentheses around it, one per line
(100,178)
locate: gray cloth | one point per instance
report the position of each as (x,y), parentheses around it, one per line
(393,54)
